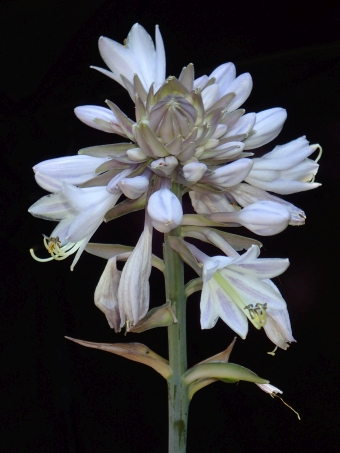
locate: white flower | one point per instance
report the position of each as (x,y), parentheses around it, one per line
(134,289)
(99,118)
(50,174)
(268,388)
(194,171)
(286,169)
(138,55)
(80,211)
(134,187)
(268,125)
(245,195)
(229,174)
(238,288)
(165,209)
(106,294)
(264,217)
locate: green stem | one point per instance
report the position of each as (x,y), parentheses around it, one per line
(177,389)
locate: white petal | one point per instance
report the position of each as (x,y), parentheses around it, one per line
(133,292)
(52,207)
(88,113)
(278,328)
(160,60)
(87,222)
(268,388)
(283,187)
(73,169)
(118,58)
(224,75)
(81,199)
(246,194)
(134,187)
(209,315)
(243,126)
(269,124)
(230,174)
(201,82)
(227,310)
(210,96)
(48,183)
(242,87)
(252,290)
(165,210)
(106,294)
(143,49)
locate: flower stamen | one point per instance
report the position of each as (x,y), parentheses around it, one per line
(258,313)
(58,253)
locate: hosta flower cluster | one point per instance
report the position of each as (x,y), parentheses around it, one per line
(193,133)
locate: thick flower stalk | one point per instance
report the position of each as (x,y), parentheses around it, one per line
(188,135)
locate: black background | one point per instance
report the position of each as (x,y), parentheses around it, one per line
(60,397)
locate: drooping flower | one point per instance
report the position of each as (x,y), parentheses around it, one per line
(237,289)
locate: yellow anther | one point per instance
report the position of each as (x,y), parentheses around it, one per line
(258,315)
(54,248)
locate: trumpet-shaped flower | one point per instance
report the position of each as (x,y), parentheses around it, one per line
(237,288)
(80,211)
(286,169)
(50,174)
(138,55)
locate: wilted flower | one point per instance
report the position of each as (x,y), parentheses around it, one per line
(106,294)
(134,288)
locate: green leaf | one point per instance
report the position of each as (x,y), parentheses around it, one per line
(221,370)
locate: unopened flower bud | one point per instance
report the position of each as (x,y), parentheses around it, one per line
(264,218)
(99,118)
(134,187)
(136,155)
(165,210)
(164,166)
(194,171)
